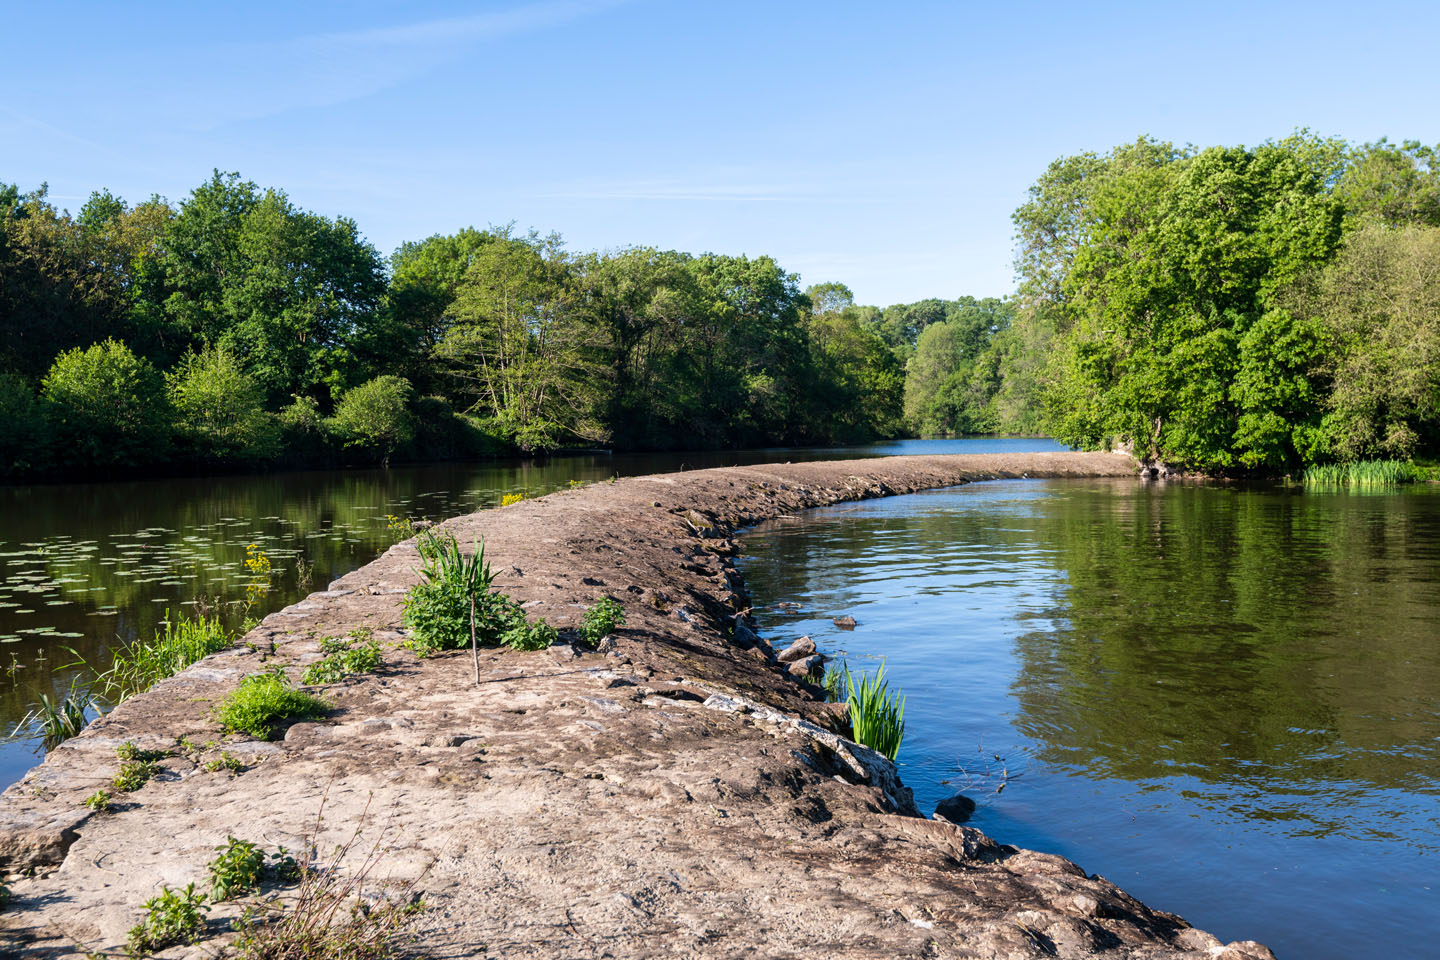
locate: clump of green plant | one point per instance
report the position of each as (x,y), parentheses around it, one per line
(877,716)
(236,869)
(530,635)
(600,621)
(834,683)
(133,775)
(224,762)
(454,606)
(343,658)
(98,802)
(263,701)
(173,917)
(1362,473)
(182,642)
(55,721)
(128,751)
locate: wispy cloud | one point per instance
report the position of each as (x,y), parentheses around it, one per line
(235,81)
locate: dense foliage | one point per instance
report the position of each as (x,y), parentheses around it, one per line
(235,329)
(1239,308)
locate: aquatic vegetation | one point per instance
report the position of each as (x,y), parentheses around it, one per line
(343,658)
(172,917)
(56,720)
(1362,473)
(600,621)
(877,716)
(263,701)
(182,642)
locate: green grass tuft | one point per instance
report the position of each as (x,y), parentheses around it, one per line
(263,702)
(182,642)
(877,716)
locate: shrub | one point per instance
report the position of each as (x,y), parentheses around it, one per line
(376,415)
(220,409)
(877,717)
(264,701)
(455,587)
(342,659)
(600,621)
(108,406)
(171,918)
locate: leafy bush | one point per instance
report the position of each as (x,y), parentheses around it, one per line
(220,410)
(263,701)
(342,659)
(171,918)
(600,621)
(456,604)
(376,415)
(877,717)
(108,406)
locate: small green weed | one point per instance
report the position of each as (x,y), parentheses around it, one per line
(98,802)
(224,762)
(263,701)
(173,917)
(134,775)
(877,717)
(530,635)
(128,751)
(236,870)
(600,621)
(343,658)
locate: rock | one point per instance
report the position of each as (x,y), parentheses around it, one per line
(38,838)
(846,622)
(803,647)
(808,666)
(956,809)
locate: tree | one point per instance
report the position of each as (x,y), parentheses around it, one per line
(376,415)
(220,412)
(108,407)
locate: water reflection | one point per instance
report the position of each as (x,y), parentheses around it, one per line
(1226,700)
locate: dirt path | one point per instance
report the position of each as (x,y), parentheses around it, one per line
(679,795)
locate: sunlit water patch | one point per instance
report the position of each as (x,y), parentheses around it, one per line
(1226,701)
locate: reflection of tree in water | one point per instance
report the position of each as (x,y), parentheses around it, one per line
(1233,637)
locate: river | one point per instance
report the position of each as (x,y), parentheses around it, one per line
(1225,700)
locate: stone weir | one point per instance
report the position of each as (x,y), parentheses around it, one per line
(677,792)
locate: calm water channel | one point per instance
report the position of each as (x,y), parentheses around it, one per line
(86,567)
(1226,701)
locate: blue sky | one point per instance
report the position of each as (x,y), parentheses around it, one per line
(881,145)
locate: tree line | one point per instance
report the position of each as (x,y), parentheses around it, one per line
(234,328)
(1237,308)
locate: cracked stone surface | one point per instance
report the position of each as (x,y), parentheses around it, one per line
(676,793)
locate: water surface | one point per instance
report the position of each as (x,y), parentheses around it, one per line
(1226,701)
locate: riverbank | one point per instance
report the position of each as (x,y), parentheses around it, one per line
(678,794)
